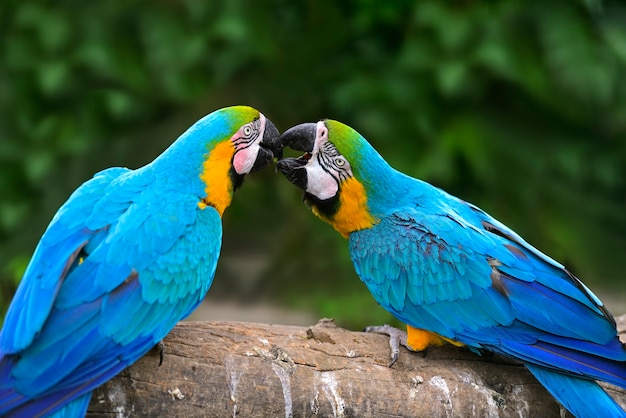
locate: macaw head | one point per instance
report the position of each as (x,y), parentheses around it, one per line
(217,151)
(252,137)
(341,174)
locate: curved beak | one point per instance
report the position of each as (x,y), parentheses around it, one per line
(300,137)
(270,147)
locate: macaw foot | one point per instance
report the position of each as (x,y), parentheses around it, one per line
(161,347)
(415,339)
(397,338)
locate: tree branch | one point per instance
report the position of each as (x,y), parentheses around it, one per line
(216,369)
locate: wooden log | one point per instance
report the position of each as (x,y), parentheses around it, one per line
(222,369)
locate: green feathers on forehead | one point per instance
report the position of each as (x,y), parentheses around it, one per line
(367,165)
(347,141)
(240,115)
(363,158)
(222,124)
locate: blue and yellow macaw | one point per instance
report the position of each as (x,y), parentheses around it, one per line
(131,253)
(453,273)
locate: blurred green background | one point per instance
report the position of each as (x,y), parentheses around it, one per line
(517,106)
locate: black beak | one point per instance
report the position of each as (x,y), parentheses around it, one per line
(270,147)
(300,137)
(293,169)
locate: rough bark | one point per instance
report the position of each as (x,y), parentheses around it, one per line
(218,369)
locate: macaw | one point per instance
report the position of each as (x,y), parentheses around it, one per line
(455,274)
(130,253)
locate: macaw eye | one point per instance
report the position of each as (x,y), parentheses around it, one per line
(340,162)
(247,130)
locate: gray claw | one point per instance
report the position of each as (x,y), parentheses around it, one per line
(396,336)
(161,348)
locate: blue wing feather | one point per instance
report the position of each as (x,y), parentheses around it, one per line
(52,259)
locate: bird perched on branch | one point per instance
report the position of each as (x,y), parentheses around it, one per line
(453,273)
(130,253)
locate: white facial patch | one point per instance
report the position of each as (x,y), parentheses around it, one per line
(322,180)
(247,140)
(319,182)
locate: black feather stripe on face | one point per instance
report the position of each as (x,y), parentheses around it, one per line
(251,132)
(328,157)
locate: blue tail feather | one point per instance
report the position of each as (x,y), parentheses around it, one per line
(9,399)
(16,405)
(76,408)
(570,360)
(583,397)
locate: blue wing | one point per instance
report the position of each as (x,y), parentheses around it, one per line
(116,269)
(54,256)
(459,273)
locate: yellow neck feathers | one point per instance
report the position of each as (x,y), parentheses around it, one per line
(352,214)
(215,175)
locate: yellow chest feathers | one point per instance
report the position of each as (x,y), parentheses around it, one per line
(216,177)
(352,214)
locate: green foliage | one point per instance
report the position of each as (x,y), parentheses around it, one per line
(517,106)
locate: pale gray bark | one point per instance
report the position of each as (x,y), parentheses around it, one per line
(220,369)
